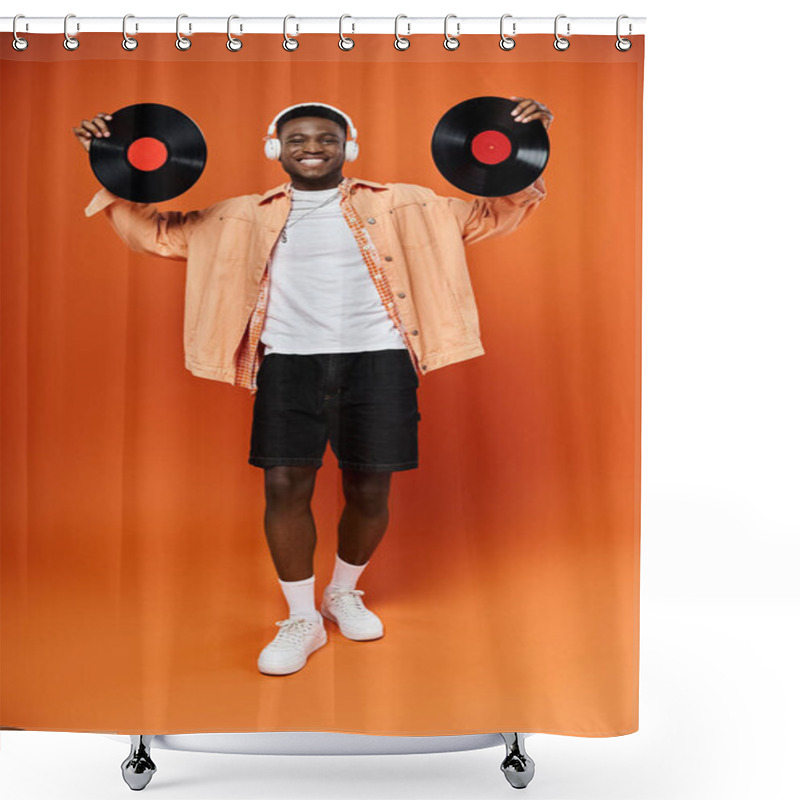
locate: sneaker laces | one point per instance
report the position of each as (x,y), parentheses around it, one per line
(292,631)
(352,600)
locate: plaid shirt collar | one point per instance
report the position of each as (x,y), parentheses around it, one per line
(347,184)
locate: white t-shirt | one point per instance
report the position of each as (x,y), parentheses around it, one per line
(321,296)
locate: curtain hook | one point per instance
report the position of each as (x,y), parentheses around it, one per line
(506,42)
(18,43)
(401,43)
(289,43)
(623,45)
(451,42)
(128,42)
(182,43)
(233,44)
(561,43)
(70,42)
(346,43)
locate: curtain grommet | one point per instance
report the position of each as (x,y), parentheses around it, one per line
(18,43)
(129,42)
(182,43)
(623,45)
(560,43)
(451,42)
(233,44)
(400,42)
(290,44)
(507,42)
(345,42)
(70,42)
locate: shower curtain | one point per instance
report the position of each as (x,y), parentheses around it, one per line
(137,585)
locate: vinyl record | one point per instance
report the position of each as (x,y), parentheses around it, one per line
(480,148)
(154,153)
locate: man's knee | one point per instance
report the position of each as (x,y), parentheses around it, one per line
(368,491)
(289,484)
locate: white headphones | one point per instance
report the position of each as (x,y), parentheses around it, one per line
(272,146)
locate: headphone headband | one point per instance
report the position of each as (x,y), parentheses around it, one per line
(351,127)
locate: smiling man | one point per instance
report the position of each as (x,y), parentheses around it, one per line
(328,297)
(312,151)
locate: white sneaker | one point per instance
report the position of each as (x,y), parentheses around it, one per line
(346,609)
(297,639)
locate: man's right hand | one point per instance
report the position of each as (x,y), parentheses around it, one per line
(92,128)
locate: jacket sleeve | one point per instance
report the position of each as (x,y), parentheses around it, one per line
(146,229)
(496,216)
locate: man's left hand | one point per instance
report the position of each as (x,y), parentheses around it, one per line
(528,109)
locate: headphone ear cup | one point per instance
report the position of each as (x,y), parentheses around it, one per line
(272,149)
(351,151)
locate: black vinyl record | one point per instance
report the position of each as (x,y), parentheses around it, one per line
(154,153)
(480,148)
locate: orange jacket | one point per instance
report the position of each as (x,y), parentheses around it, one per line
(419,237)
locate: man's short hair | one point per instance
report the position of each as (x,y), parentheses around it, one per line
(312,111)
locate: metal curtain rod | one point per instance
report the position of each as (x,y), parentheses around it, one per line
(457,26)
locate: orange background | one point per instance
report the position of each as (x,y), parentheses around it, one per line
(137,586)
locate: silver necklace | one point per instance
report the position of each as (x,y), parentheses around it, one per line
(303,216)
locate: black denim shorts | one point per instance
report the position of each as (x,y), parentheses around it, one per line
(365,403)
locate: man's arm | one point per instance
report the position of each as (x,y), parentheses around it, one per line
(496,216)
(146,229)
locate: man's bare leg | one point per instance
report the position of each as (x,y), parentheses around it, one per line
(288,521)
(365,516)
(292,538)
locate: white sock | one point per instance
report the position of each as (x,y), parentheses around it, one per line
(300,597)
(345,576)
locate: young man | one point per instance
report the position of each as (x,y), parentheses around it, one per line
(328,297)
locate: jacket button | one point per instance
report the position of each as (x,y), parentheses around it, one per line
(415,333)
(401,294)
(388,258)
(371,221)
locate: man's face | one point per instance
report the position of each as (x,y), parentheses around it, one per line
(312,152)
